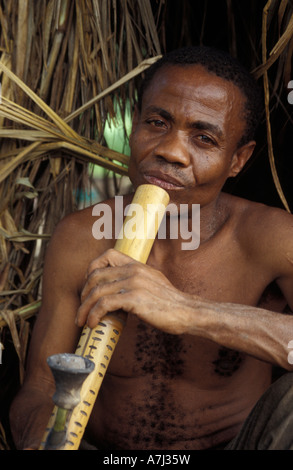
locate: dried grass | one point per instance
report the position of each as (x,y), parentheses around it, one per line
(283,42)
(63,64)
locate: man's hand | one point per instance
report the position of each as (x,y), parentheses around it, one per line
(116,281)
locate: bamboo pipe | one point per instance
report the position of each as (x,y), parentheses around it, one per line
(98,344)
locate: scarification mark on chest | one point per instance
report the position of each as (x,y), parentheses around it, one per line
(153,423)
(227,362)
(160,356)
(159,352)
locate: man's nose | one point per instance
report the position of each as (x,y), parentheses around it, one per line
(173,147)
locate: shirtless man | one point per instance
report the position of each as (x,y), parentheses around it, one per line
(198,349)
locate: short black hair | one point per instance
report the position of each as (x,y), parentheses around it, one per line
(224,66)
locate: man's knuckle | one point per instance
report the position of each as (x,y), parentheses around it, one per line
(136,269)
(139,292)
(135,283)
(102,302)
(95,291)
(110,252)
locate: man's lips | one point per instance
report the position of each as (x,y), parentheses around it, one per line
(163,180)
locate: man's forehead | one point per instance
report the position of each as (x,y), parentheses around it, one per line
(192,76)
(192,83)
(189,70)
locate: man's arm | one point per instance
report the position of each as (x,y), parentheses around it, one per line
(116,281)
(54,332)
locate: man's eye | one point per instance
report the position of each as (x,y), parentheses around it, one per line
(156,122)
(206,139)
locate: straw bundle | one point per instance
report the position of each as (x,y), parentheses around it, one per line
(65,68)
(66,56)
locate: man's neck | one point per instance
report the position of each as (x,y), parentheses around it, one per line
(211,218)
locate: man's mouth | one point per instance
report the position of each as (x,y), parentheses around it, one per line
(164,181)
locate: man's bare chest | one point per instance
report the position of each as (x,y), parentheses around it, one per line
(221,274)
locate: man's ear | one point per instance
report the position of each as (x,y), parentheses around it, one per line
(240,157)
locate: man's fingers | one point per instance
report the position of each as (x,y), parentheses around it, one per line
(111,257)
(110,274)
(102,276)
(93,313)
(94,297)
(116,281)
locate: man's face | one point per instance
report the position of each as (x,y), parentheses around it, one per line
(185,137)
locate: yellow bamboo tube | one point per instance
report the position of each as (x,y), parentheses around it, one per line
(98,344)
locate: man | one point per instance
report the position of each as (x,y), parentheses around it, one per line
(198,347)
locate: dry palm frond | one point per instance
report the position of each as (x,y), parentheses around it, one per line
(139,69)
(44,134)
(263,70)
(277,50)
(60,133)
(3,440)
(23,312)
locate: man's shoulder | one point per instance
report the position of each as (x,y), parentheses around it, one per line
(74,225)
(77,227)
(263,229)
(266,219)
(83,219)
(253,212)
